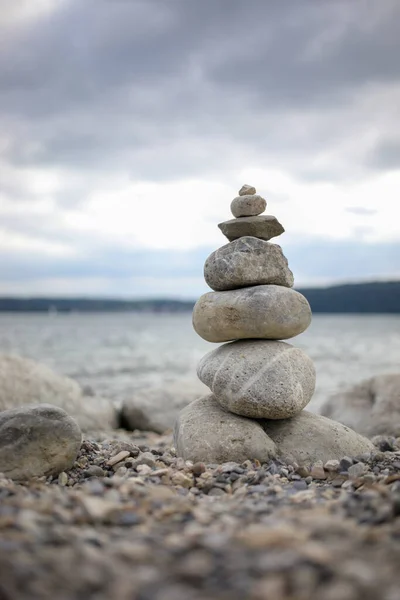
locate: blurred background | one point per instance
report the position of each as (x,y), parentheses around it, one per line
(126,129)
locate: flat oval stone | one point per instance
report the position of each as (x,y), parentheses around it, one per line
(248,206)
(265,311)
(245,262)
(263,227)
(259,378)
(247,190)
(306,438)
(204,432)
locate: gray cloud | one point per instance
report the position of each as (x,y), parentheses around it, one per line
(361,211)
(385,155)
(166,90)
(134,84)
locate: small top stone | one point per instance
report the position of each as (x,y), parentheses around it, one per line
(247,190)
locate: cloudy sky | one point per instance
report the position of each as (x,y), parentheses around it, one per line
(128,126)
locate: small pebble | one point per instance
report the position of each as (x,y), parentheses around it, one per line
(118,458)
(356,470)
(94,471)
(62,479)
(345,463)
(332,465)
(317,471)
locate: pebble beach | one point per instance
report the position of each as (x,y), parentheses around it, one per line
(131,520)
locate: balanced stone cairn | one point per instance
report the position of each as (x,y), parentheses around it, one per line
(259,385)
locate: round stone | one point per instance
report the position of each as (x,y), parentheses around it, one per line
(266,311)
(307,438)
(248,206)
(206,433)
(36,441)
(245,262)
(247,190)
(259,378)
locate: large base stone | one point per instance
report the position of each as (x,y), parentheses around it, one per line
(265,311)
(259,378)
(246,262)
(307,437)
(204,432)
(371,407)
(36,441)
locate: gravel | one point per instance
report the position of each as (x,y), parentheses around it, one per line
(132,521)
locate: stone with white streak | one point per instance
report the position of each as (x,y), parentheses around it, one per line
(264,311)
(248,206)
(206,433)
(259,378)
(246,190)
(246,262)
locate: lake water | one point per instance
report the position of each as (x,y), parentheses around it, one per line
(117,354)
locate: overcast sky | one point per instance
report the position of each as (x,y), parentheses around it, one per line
(128,126)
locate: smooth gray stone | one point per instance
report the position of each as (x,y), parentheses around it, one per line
(248,206)
(204,432)
(263,227)
(371,407)
(24,381)
(156,409)
(247,190)
(307,437)
(261,379)
(246,262)
(36,441)
(264,311)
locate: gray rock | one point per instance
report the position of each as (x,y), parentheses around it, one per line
(246,262)
(36,441)
(205,433)
(259,378)
(248,206)
(371,407)
(24,381)
(246,190)
(308,438)
(157,409)
(263,227)
(264,311)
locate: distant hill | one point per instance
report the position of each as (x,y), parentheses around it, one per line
(375,297)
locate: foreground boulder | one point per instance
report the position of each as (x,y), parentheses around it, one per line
(24,381)
(259,378)
(157,409)
(204,432)
(270,312)
(36,441)
(371,407)
(307,438)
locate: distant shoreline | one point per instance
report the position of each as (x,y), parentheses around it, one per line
(354,298)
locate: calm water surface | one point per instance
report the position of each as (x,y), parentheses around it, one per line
(116,354)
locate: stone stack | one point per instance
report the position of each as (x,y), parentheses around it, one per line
(259,385)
